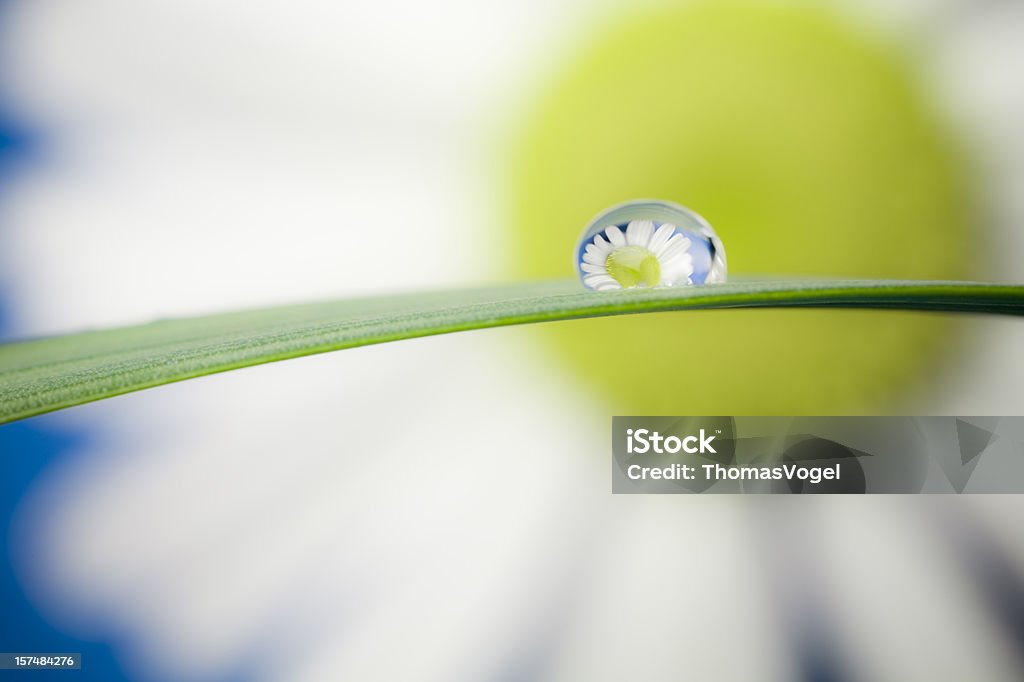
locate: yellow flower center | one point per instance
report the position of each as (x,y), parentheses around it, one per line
(633,266)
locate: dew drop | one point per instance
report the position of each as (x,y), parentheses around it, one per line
(649,243)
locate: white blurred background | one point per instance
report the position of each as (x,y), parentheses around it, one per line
(292,520)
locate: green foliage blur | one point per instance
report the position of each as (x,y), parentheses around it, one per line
(809,145)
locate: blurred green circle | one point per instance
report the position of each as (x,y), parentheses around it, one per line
(810,147)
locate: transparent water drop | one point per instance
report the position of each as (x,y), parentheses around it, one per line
(649,243)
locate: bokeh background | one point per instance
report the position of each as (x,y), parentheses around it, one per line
(440,508)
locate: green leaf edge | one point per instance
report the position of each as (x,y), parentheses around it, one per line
(43,375)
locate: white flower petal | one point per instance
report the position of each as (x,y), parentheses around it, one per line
(590,267)
(660,238)
(598,281)
(594,258)
(678,244)
(638,232)
(685,263)
(615,236)
(600,246)
(603,251)
(677,269)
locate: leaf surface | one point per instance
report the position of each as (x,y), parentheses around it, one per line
(43,375)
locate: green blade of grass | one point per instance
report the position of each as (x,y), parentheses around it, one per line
(43,375)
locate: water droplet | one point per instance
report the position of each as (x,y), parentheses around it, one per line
(649,243)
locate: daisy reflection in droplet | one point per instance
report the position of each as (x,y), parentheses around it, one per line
(649,244)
